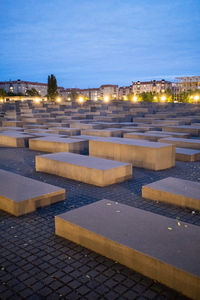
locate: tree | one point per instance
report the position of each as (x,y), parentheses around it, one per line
(147,96)
(2,93)
(52,91)
(73,95)
(32,92)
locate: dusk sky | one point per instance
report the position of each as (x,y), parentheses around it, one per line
(86,43)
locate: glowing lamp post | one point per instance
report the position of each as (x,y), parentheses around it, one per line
(135,98)
(163,98)
(106,99)
(58,100)
(37,100)
(80,100)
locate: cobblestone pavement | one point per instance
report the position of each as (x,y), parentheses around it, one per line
(36,264)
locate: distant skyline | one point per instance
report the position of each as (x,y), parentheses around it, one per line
(86,43)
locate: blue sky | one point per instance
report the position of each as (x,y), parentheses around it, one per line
(86,43)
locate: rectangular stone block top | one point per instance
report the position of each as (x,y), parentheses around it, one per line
(153,245)
(85,161)
(175,191)
(91,170)
(186,154)
(179,142)
(134,142)
(20,195)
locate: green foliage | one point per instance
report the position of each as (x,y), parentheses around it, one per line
(147,96)
(73,95)
(2,93)
(32,92)
(52,91)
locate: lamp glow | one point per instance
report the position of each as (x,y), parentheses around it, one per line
(58,99)
(196,98)
(135,99)
(80,100)
(106,99)
(37,100)
(163,98)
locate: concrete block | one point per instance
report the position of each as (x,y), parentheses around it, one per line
(14,139)
(20,195)
(144,154)
(182,143)
(139,240)
(57,144)
(185,154)
(174,191)
(92,170)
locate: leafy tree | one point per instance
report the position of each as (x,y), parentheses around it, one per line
(32,92)
(52,91)
(147,96)
(73,95)
(2,93)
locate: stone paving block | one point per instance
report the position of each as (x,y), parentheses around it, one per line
(186,154)
(92,170)
(140,240)
(175,191)
(57,144)
(20,195)
(144,154)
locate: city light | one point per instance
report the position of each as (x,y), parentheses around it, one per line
(80,100)
(154,98)
(95,98)
(58,99)
(135,99)
(68,98)
(37,100)
(163,98)
(106,99)
(196,98)
(1,100)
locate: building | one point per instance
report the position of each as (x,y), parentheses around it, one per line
(21,87)
(108,91)
(187,83)
(124,91)
(153,86)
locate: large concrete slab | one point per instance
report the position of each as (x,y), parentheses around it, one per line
(144,154)
(14,139)
(182,143)
(186,154)
(112,132)
(146,136)
(174,191)
(56,144)
(92,170)
(151,244)
(184,129)
(20,195)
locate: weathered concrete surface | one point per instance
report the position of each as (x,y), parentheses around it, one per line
(112,132)
(186,154)
(146,136)
(20,195)
(14,139)
(144,154)
(184,129)
(140,240)
(174,191)
(92,170)
(56,144)
(182,143)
